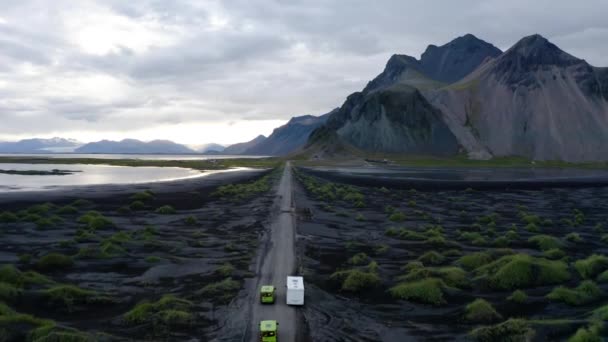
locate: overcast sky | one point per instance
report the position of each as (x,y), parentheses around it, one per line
(225,71)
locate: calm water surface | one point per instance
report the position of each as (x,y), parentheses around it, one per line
(130,156)
(90,175)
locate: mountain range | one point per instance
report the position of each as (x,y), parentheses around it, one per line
(533,100)
(135,146)
(35,145)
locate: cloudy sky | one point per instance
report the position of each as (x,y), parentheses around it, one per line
(225,71)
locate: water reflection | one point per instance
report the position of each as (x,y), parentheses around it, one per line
(89,175)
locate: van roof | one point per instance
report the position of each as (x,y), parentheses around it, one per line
(295,283)
(267,288)
(268,326)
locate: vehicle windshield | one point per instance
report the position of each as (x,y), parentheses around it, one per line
(268,333)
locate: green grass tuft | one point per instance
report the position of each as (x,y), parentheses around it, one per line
(221,291)
(427,291)
(512,330)
(518,296)
(586,292)
(54,261)
(167,311)
(591,266)
(432,258)
(475,260)
(545,242)
(481,311)
(521,270)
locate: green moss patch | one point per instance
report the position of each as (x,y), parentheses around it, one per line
(167,311)
(432,258)
(521,271)
(512,330)
(475,260)
(518,296)
(221,291)
(54,261)
(545,242)
(68,297)
(355,280)
(481,311)
(586,292)
(427,291)
(591,266)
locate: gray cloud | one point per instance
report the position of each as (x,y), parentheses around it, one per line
(110,66)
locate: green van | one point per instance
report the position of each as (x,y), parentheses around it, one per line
(267,294)
(268,331)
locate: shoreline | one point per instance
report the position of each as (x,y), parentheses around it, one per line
(109,190)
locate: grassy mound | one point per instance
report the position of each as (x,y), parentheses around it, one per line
(475,260)
(167,311)
(54,261)
(591,266)
(358,259)
(521,271)
(585,293)
(589,334)
(481,311)
(427,291)
(355,280)
(8,292)
(518,296)
(545,242)
(432,258)
(512,330)
(67,297)
(8,217)
(601,313)
(221,291)
(452,276)
(9,274)
(67,210)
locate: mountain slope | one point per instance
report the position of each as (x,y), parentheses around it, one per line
(39,146)
(397,119)
(535,100)
(134,146)
(391,115)
(240,148)
(289,137)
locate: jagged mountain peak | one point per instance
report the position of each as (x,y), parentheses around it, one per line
(534,51)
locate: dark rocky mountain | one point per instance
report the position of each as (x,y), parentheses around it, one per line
(391,115)
(397,119)
(240,148)
(135,146)
(53,145)
(437,66)
(535,100)
(289,137)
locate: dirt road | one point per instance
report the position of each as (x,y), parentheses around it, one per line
(277,264)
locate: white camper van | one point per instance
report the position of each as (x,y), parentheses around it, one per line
(295,290)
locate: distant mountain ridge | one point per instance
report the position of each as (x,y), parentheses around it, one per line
(240,148)
(36,145)
(135,146)
(288,138)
